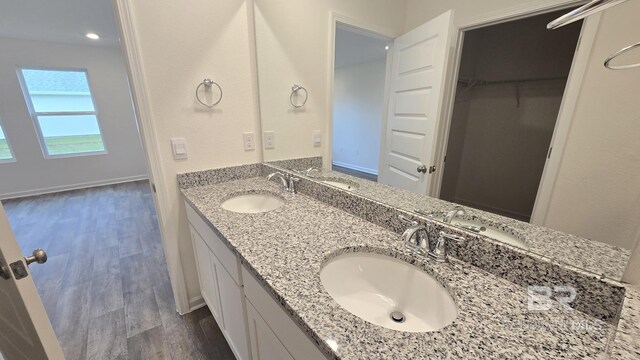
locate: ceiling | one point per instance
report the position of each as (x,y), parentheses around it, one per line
(63,21)
(355,46)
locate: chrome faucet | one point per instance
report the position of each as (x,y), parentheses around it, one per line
(312,169)
(416,237)
(287,181)
(450,215)
(439,250)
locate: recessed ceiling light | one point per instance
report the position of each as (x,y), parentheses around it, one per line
(93,36)
(386,47)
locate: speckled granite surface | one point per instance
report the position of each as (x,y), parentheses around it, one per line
(626,343)
(592,256)
(294,240)
(600,298)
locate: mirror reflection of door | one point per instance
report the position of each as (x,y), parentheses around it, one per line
(511,82)
(358,100)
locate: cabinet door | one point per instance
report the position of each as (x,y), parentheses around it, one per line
(264,343)
(233,311)
(207,276)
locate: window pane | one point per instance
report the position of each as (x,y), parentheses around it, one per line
(5,152)
(53,90)
(71,134)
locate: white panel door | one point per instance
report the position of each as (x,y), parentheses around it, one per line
(25,330)
(416,104)
(265,345)
(207,276)
(233,311)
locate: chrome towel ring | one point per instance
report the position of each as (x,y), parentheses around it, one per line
(207,83)
(294,91)
(608,65)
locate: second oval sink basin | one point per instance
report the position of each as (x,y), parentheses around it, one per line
(340,183)
(252,203)
(388,292)
(492,232)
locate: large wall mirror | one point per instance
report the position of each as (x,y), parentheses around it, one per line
(473,115)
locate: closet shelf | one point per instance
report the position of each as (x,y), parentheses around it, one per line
(478,82)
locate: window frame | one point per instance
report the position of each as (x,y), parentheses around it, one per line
(34,114)
(12,159)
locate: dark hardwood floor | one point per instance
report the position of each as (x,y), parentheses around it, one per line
(105,286)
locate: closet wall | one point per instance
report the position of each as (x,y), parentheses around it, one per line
(500,132)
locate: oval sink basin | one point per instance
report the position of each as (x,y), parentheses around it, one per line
(491,232)
(388,292)
(341,184)
(252,203)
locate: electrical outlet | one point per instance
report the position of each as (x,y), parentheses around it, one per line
(179,148)
(317,138)
(248,139)
(269,140)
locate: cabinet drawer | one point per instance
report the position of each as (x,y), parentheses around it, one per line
(290,335)
(227,258)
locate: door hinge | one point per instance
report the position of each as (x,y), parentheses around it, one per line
(153,188)
(549,154)
(19,270)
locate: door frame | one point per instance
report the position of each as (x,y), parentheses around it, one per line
(579,64)
(335,19)
(151,147)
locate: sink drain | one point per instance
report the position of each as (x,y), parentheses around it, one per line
(398,317)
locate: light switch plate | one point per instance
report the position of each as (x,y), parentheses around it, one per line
(269,140)
(248,139)
(317,138)
(179,148)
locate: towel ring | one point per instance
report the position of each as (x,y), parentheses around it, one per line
(207,84)
(294,90)
(607,63)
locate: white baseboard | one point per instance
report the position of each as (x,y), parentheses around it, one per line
(196,303)
(54,189)
(355,167)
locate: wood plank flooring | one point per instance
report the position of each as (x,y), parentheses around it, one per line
(105,286)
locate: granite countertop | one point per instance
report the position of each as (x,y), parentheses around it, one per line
(586,254)
(286,248)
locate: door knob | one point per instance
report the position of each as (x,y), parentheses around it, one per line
(38,255)
(422,169)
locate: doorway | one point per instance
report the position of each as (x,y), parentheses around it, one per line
(511,82)
(75,183)
(360,65)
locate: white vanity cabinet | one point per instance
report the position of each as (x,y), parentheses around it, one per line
(220,284)
(254,324)
(272,331)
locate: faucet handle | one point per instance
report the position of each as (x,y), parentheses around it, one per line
(407,221)
(457,238)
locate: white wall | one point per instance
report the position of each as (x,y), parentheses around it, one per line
(293,38)
(597,194)
(179,46)
(31,173)
(358,98)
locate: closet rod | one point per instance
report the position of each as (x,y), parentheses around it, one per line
(473,82)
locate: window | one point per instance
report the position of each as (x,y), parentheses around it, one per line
(5,149)
(62,107)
